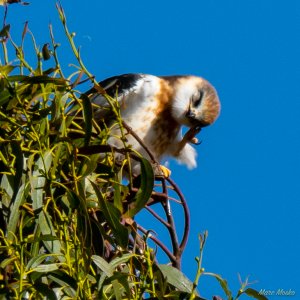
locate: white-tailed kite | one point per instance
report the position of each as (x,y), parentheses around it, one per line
(156,108)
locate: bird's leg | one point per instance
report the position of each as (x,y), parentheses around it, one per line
(161,171)
(189,137)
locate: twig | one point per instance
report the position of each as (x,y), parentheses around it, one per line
(158,217)
(171,228)
(130,131)
(186,215)
(159,243)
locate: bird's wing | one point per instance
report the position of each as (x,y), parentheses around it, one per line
(120,87)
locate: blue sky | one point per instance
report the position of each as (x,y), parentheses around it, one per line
(246,189)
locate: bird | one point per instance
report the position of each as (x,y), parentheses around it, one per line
(156,108)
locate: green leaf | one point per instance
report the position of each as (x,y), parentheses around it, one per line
(7,184)
(112,216)
(37,260)
(223,284)
(45,268)
(103,265)
(58,106)
(89,165)
(8,261)
(17,152)
(108,269)
(45,290)
(254,294)
(64,280)
(37,178)
(18,78)
(15,210)
(121,260)
(176,278)
(45,223)
(45,52)
(45,79)
(144,193)
(117,197)
(88,118)
(120,284)
(4,31)
(6,69)
(73,199)
(47,237)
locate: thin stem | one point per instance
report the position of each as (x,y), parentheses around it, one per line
(186,214)
(158,217)
(159,243)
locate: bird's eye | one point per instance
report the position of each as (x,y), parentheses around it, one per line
(198,100)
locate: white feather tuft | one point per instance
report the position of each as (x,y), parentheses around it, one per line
(187,156)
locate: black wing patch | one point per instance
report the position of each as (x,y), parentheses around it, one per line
(117,84)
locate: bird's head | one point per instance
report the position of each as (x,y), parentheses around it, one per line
(196,102)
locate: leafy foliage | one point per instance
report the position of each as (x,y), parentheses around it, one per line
(67,228)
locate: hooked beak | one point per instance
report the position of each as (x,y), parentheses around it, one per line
(190,114)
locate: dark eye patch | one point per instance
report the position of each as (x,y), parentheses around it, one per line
(198,101)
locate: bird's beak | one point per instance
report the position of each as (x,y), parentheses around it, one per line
(190,114)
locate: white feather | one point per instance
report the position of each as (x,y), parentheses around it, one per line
(187,156)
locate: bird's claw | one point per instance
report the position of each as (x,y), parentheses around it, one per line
(195,141)
(165,171)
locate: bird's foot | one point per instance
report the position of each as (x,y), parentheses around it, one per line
(165,171)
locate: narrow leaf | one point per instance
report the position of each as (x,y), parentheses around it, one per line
(66,281)
(38,179)
(45,79)
(6,69)
(254,294)
(103,265)
(145,190)
(46,52)
(37,260)
(15,211)
(17,152)
(176,278)
(88,117)
(45,290)
(112,216)
(45,223)
(46,268)
(4,31)
(223,284)
(120,260)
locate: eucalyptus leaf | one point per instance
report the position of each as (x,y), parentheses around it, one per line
(38,178)
(103,265)
(15,210)
(45,290)
(44,79)
(47,228)
(65,281)
(88,118)
(144,193)
(113,217)
(45,268)
(176,278)
(37,260)
(254,294)
(223,284)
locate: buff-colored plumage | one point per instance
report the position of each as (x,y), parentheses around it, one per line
(156,108)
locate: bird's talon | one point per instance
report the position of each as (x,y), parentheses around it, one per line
(195,141)
(165,171)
